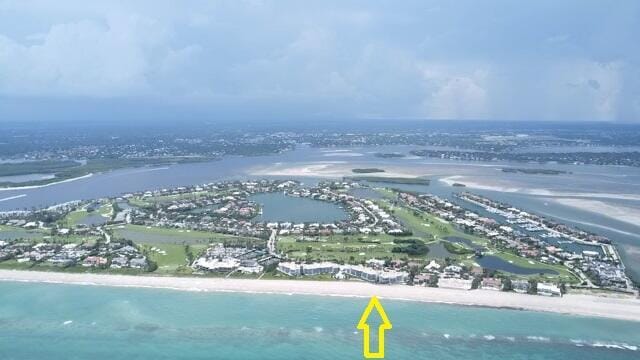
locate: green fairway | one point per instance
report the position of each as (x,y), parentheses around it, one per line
(160,235)
(172,258)
(74,218)
(340,248)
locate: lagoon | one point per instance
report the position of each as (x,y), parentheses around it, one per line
(277,207)
(592,182)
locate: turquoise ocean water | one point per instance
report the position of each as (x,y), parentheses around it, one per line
(44,321)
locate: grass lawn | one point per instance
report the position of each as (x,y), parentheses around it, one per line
(341,248)
(170,257)
(563,272)
(75,217)
(427,226)
(159,235)
(7,232)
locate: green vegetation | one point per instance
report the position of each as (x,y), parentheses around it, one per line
(36,167)
(172,258)
(64,170)
(415,248)
(159,235)
(534,171)
(352,249)
(391,180)
(367,170)
(457,249)
(74,218)
(11,233)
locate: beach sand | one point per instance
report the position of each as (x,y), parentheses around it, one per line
(591,202)
(615,211)
(620,307)
(331,169)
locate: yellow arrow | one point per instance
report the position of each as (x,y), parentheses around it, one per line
(374,303)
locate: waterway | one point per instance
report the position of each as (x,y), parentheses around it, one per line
(611,185)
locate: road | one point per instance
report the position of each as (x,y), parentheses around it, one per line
(271,244)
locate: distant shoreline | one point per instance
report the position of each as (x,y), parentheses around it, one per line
(28,187)
(619,308)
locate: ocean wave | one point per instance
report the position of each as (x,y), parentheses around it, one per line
(538,338)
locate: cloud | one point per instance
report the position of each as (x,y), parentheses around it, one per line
(454,94)
(79,58)
(459,60)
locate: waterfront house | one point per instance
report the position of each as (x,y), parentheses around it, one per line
(491,284)
(455,283)
(547,289)
(94,261)
(139,263)
(520,286)
(119,262)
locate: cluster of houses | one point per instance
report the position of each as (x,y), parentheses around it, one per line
(365,216)
(218,258)
(226,207)
(432,275)
(606,274)
(222,207)
(529,235)
(114,255)
(458,277)
(584,252)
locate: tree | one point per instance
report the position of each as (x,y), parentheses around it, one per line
(563,287)
(187,251)
(506,284)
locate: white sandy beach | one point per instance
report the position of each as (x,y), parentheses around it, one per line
(581,201)
(331,169)
(622,308)
(615,211)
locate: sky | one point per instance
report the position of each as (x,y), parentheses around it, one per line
(570,60)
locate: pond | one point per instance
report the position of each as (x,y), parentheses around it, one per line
(93,220)
(438,251)
(496,263)
(277,207)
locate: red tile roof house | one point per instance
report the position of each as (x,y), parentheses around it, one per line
(491,284)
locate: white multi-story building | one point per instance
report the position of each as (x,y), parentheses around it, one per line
(290,268)
(455,283)
(547,289)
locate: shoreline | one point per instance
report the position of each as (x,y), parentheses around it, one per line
(588,202)
(618,308)
(45,185)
